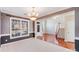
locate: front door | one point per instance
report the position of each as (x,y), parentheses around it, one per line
(38,28)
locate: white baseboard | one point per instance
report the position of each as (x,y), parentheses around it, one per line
(4,34)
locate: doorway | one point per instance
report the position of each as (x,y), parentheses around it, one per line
(38,29)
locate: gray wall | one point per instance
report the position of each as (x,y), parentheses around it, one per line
(5,29)
(0,23)
(30,26)
(5,24)
(77,22)
(77,29)
(0,28)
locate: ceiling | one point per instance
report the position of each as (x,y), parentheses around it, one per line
(23,11)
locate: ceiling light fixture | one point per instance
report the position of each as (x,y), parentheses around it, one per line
(33,15)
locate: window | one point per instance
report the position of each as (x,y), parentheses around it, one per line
(18,27)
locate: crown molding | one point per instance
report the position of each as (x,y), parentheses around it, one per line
(59,12)
(14,16)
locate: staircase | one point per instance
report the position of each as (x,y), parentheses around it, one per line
(59,32)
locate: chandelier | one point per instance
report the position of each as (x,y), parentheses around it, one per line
(33,15)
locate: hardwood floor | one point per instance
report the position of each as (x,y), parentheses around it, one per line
(59,41)
(69,45)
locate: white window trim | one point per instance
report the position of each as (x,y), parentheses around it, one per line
(21,30)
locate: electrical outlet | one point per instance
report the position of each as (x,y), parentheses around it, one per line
(6,40)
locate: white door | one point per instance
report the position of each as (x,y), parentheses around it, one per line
(38,28)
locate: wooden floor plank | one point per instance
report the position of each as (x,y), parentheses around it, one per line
(61,42)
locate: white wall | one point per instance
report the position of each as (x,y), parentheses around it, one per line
(49,25)
(70,27)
